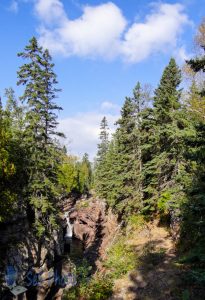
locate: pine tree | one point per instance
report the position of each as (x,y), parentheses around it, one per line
(104,140)
(194,208)
(124,192)
(166,139)
(119,175)
(39,79)
(100,177)
(141,97)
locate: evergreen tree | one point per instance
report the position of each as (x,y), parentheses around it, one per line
(162,165)
(39,79)
(100,177)
(104,140)
(124,193)
(194,208)
(120,173)
(141,97)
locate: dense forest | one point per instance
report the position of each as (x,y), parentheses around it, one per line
(152,167)
(154,163)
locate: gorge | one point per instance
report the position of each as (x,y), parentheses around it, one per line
(48,267)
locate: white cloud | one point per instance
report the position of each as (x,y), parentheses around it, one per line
(102,31)
(96,33)
(50,11)
(82,131)
(14,6)
(158,33)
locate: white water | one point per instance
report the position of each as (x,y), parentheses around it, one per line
(69,229)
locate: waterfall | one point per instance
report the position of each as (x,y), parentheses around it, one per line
(69,229)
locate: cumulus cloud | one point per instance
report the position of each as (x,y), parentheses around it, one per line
(103,31)
(82,131)
(50,11)
(157,33)
(96,33)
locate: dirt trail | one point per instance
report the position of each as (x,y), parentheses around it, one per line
(156,277)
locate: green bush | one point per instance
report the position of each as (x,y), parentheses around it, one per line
(162,203)
(98,288)
(121,258)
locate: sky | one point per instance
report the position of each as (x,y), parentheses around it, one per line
(100,50)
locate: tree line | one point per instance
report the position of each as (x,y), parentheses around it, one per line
(154,162)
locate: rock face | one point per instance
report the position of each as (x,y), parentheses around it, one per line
(25,253)
(87,221)
(92,225)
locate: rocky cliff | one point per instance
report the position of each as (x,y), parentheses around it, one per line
(92,225)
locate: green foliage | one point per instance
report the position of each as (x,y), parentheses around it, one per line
(39,80)
(120,165)
(121,258)
(84,175)
(165,136)
(99,288)
(163,202)
(11,166)
(75,175)
(68,174)
(101,170)
(95,288)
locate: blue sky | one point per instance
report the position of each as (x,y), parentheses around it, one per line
(100,50)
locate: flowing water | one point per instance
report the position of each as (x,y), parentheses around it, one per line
(69,229)
(62,265)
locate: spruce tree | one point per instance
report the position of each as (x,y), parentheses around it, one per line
(163,164)
(141,97)
(124,193)
(127,191)
(194,208)
(100,175)
(104,140)
(40,82)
